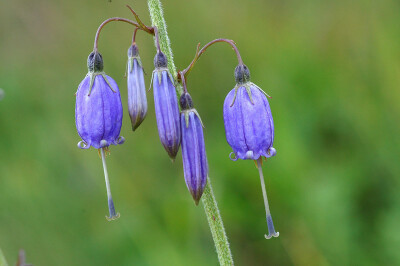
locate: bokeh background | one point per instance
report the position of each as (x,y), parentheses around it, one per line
(333,70)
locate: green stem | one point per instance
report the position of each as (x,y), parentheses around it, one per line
(157,19)
(216,226)
(3,261)
(210,204)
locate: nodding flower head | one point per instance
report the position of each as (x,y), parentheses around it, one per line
(166,105)
(98,115)
(195,165)
(98,109)
(137,100)
(249,126)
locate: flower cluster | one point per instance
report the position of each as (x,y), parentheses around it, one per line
(249,126)
(98,111)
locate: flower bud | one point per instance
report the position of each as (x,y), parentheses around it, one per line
(95,62)
(160,60)
(98,109)
(137,100)
(166,106)
(195,166)
(242,74)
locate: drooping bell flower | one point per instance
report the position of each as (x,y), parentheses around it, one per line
(248,121)
(249,127)
(98,115)
(137,100)
(194,158)
(166,105)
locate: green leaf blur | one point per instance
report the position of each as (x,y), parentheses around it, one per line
(333,71)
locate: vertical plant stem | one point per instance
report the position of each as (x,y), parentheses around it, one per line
(3,261)
(210,204)
(216,226)
(157,19)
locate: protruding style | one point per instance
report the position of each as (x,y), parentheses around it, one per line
(137,100)
(195,165)
(270,224)
(166,106)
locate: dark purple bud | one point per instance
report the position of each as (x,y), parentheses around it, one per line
(160,60)
(95,62)
(167,111)
(137,100)
(242,74)
(186,101)
(133,51)
(195,166)
(249,126)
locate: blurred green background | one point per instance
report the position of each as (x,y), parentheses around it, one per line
(333,70)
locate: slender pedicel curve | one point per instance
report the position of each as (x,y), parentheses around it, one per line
(270,224)
(96,38)
(111,208)
(134,36)
(187,70)
(139,25)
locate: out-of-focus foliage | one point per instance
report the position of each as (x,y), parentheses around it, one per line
(333,70)
(3,261)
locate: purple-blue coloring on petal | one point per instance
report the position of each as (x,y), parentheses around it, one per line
(98,117)
(137,100)
(167,111)
(195,165)
(249,126)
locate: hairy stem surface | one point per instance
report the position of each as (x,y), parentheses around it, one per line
(208,199)
(216,225)
(157,20)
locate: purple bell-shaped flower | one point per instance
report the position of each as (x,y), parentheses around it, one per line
(249,127)
(98,115)
(194,158)
(98,109)
(137,100)
(166,105)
